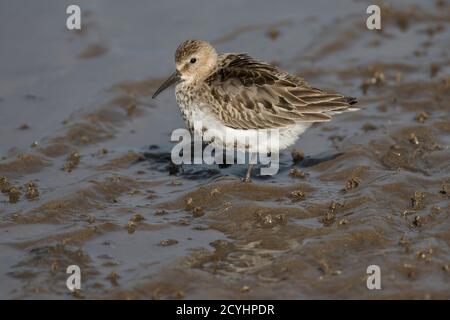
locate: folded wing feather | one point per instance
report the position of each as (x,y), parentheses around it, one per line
(255,95)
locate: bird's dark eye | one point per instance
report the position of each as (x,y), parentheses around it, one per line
(193,60)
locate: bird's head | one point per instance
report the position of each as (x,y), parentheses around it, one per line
(194,61)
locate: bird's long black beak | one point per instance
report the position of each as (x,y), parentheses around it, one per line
(174,78)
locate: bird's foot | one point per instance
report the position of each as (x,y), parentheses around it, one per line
(246,179)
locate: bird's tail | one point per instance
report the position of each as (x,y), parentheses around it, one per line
(351,100)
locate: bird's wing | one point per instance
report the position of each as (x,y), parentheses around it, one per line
(255,95)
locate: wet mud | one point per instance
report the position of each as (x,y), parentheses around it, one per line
(86,176)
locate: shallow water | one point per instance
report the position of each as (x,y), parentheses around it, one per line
(77,120)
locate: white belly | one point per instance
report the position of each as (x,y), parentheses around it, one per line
(252,140)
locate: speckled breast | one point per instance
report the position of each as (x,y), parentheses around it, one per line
(185,101)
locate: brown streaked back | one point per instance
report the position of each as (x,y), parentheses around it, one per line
(249,94)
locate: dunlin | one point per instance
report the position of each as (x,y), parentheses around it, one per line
(233,94)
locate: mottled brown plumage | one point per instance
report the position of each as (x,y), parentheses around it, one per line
(244,93)
(186,49)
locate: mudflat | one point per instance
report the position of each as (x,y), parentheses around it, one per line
(86,176)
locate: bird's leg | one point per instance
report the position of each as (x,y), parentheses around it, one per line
(250,167)
(249,173)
